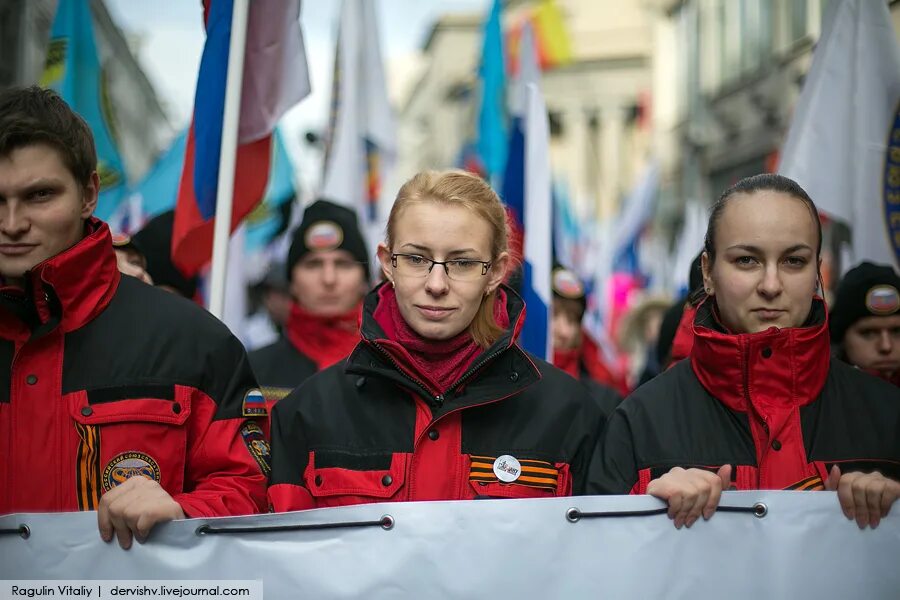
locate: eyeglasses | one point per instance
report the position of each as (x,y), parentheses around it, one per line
(458,269)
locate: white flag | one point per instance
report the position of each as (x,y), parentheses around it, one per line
(361,144)
(837,147)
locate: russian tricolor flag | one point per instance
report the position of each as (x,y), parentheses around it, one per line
(528,196)
(275,78)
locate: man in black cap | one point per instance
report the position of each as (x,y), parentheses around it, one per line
(327,268)
(154,241)
(865,320)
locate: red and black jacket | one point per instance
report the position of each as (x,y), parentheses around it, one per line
(103,377)
(773,404)
(365,431)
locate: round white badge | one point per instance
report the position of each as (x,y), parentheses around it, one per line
(507,468)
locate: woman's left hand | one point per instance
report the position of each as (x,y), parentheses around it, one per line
(866,497)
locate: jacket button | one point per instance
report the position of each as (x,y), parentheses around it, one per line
(766,352)
(176,408)
(31,379)
(776,445)
(318,480)
(360,382)
(87,411)
(434,434)
(514,376)
(387,480)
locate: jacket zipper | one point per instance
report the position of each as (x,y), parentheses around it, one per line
(438,400)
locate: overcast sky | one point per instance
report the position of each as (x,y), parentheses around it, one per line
(170,34)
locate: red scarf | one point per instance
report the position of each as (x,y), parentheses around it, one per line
(325,340)
(568,360)
(437,363)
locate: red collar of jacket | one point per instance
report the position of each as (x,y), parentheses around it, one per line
(776,368)
(71,288)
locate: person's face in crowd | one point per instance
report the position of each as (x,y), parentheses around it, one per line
(566,325)
(131,262)
(42,208)
(765,270)
(873,343)
(278,305)
(328,283)
(434,305)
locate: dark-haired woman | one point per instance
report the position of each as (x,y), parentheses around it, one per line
(437,401)
(760,404)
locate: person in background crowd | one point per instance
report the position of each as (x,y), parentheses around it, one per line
(117,397)
(865,320)
(437,401)
(760,404)
(155,243)
(573,349)
(272,302)
(328,271)
(675,332)
(130,259)
(639,334)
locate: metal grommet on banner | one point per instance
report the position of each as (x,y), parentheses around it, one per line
(573,515)
(202,530)
(23,531)
(760,510)
(387,522)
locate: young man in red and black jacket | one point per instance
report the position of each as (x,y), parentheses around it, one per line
(114,396)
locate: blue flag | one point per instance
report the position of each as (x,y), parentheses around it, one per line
(492,137)
(73,70)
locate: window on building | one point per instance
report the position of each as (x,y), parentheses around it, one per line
(799,17)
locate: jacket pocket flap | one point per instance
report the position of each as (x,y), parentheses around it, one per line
(334,480)
(123,404)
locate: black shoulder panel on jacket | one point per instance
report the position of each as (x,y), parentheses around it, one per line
(859,416)
(281,365)
(149,336)
(607,399)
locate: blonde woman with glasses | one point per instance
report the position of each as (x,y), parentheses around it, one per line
(437,401)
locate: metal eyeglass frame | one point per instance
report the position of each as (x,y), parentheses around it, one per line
(485,265)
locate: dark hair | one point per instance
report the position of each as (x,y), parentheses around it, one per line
(757,183)
(34,115)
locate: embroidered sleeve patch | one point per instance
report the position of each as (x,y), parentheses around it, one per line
(514,471)
(254,404)
(257,445)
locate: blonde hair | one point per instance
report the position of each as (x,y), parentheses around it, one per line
(460,188)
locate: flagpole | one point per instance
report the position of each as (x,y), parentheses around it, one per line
(230,122)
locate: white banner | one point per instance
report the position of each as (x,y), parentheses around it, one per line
(798,546)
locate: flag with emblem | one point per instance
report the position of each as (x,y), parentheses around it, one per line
(73,70)
(843,145)
(361,141)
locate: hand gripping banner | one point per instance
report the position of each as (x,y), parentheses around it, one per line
(758,545)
